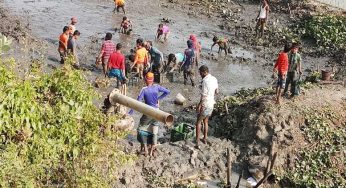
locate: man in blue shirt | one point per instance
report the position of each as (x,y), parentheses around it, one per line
(148,127)
(188,64)
(156,57)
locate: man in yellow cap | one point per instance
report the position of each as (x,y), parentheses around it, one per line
(148,127)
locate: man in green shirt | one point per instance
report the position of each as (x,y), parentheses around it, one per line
(294,70)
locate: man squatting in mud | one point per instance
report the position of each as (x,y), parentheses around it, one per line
(222,43)
(148,127)
(162,31)
(126,26)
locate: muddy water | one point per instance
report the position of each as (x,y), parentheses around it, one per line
(47,18)
(95,18)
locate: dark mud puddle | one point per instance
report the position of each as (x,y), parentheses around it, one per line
(95,18)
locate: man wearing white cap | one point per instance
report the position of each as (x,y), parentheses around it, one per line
(72,25)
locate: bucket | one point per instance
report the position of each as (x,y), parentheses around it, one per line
(326,75)
(179,99)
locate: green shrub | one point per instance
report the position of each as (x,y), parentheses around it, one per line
(50,131)
(328,31)
(322,164)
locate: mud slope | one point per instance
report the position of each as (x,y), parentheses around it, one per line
(260,128)
(254,130)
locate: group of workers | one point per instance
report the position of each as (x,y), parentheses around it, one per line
(67,42)
(147,61)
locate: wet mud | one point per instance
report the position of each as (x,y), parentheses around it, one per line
(243,68)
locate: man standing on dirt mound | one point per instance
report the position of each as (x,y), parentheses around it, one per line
(206,105)
(281,67)
(148,127)
(294,70)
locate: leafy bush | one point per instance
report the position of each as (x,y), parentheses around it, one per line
(328,31)
(50,131)
(242,96)
(322,164)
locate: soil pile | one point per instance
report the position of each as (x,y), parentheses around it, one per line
(177,163)
(259,128)
(253,127)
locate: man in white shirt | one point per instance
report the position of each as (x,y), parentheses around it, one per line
(72,25)
(207,101)
(262,17)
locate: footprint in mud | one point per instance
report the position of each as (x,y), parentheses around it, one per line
(53,59)
(103,6)
(53,41)
(51,66)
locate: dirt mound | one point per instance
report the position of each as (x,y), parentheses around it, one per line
(252,127)
(258,127)
(177,163)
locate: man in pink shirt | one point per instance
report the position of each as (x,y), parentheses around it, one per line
(116,66)
(107,49)
(163,30)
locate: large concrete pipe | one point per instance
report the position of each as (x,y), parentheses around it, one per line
(116,97)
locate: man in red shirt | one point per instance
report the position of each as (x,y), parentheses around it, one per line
(281,66)
(116,66)
(63,44)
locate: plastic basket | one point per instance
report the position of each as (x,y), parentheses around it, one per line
(182,131)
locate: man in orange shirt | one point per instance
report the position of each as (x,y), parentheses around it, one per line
(119,4)
(63,44)
(141,58)
(281,66)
